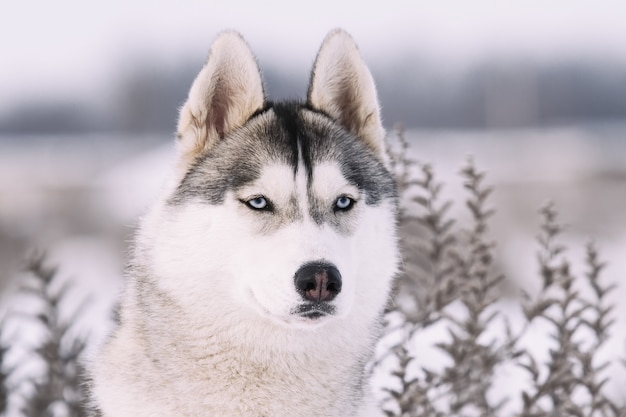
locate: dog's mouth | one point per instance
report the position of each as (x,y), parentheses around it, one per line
(307,314)
(314,311)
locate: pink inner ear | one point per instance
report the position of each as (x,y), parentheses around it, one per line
(347,101)
(218,114)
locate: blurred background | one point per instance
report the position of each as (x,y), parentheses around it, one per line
(535,91)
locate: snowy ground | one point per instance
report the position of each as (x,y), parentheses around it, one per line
(79,199)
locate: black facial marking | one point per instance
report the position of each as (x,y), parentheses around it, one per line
(314,310)
(288,118)
(237,160)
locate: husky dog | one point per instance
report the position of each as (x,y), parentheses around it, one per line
(260,276)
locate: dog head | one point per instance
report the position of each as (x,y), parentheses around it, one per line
(284,210)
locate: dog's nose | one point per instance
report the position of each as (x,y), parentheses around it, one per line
(318,281)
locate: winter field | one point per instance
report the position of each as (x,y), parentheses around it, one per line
(79,198)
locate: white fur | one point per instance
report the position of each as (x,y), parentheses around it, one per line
(207,324)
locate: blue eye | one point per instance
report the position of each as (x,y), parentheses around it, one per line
(258,203)
(343,203)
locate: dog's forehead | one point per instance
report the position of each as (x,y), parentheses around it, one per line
(327,181)
(288,135)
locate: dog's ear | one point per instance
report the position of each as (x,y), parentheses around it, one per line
(342,87)
(225,94)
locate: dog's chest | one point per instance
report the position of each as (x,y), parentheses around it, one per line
(241,385)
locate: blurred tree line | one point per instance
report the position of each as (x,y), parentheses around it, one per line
(494,94)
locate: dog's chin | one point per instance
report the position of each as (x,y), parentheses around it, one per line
(306,320)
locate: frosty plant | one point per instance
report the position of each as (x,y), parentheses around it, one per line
(4,373)
(57,390)
(450,279)
(443,266)
(580,326)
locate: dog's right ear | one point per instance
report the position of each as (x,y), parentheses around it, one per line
(225,94)
(342,87)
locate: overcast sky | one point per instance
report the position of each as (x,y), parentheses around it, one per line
(74,47)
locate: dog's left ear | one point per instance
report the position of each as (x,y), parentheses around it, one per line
(342,87)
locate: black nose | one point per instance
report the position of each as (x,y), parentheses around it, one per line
(318,281)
